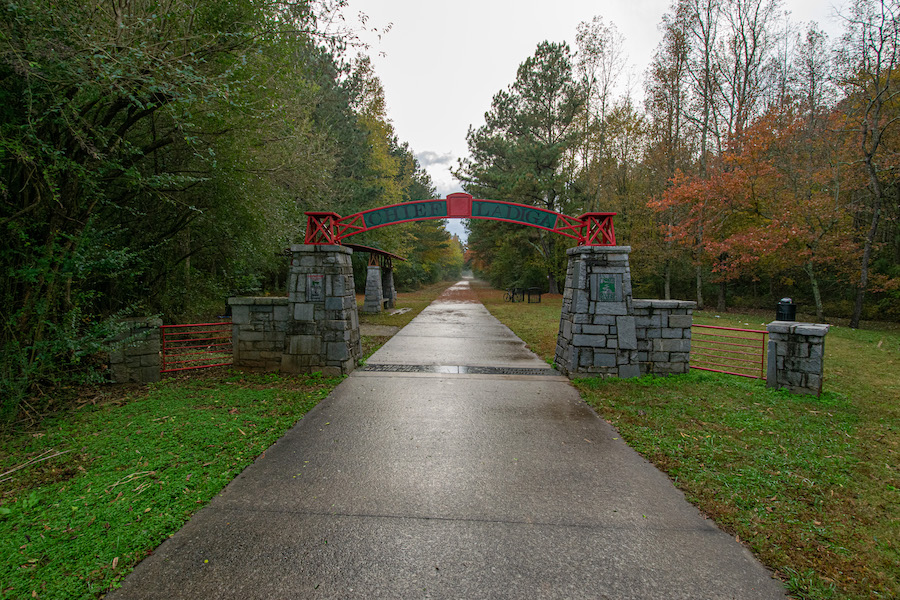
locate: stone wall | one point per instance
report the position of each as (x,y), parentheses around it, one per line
(136,357)
(603,331)
(796,356)
(663,331)
(259,326)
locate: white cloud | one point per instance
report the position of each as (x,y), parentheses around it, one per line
(429,158)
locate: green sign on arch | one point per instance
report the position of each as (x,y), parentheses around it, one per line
(516,213)
(589,229)
(481,209)
(411,211)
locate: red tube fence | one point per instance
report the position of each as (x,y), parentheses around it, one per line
(196,346)
(729,350)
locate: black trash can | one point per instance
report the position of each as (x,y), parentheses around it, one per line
(786,310)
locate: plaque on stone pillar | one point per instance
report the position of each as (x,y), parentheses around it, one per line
(315,288)
(606,287)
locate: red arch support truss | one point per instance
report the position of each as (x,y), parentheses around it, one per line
(590,229)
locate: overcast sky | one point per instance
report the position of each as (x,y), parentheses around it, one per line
(442,62)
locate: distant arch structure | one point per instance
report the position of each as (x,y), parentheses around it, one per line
(590,229)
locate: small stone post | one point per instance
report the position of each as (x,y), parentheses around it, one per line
(258,329)
(136,359)
(796,356)
(323,326)
(374,290)
(597,326)
(387,286)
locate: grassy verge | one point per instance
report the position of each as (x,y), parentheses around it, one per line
(122,474)
(811,485)
(415,302)
(89,493)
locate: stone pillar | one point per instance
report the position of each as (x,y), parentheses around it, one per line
(796,356)
(258,329)
(136,355)
(323,328)
(597,326)
(387,285)
(374,290)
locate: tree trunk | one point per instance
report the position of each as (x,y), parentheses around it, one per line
(817,295)
(553,286)
(699,288)
(864,273)
(667,281)
(875,186)
(548,248)
(723,285)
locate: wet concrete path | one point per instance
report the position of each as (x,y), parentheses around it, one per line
(458,465)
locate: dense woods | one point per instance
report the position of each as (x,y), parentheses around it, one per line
(156,156)
(761,163)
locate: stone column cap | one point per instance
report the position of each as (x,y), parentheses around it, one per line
(793,327)
(142,321)
(648,303)
(321,248)
(258,301)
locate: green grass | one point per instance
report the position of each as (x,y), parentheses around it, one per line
(128,471)
(92,491)
(811,485)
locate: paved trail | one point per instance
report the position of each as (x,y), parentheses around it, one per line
(458,466)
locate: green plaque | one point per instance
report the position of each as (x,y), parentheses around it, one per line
(606,288)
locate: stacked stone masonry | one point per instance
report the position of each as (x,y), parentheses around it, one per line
(374,301)
(603,331)
(323,329)
(389,291)
(663,329)
(259,326)
(796,356)
(136,357)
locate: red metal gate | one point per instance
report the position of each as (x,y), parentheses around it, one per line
(196,346)
(729,350)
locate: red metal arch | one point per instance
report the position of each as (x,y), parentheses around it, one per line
(590,229)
